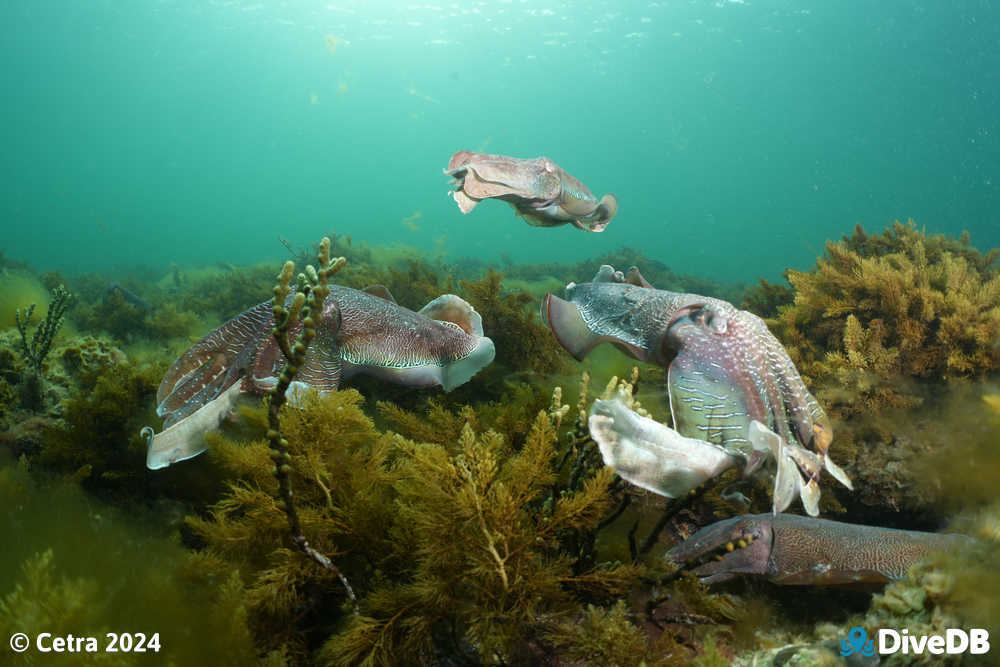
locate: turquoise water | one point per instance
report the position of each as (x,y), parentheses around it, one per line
(738,136)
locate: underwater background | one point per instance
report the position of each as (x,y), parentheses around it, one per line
(738,136)
(830,167)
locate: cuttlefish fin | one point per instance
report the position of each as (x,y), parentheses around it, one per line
(381,291)
(456,310)
(497,179)
(185,439)
(573,332)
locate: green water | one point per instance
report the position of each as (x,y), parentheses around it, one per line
(737,136)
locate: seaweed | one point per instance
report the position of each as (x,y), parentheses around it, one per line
(228,293)
(522,342)
(489,568)
(40,602)
(899,305)
(114,314)
(168,322)
(98,439)
(83,567)
(33,353)
(464,544)
(657,273)
(766,298)
(452,546)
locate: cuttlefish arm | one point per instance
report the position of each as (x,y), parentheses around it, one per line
(357,332)
(725,371)
(653,456)
(185,439)
(539,189)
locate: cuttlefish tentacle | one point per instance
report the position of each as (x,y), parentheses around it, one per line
(357,332)
(539,190)
(726,372)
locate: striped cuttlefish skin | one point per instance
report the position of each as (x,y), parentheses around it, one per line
(735,396)
(358,331)
(804,551)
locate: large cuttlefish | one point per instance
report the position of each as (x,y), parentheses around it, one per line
(357,332)
(735,395)
(538,189)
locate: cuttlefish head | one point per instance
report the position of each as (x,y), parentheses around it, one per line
(441,345)
(612,310)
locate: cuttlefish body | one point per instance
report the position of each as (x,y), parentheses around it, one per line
(735,395)
(538,189)
(357,332)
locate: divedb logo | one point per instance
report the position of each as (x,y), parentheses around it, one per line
(954,640)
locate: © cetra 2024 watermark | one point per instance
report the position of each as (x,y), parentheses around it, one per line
(111,642)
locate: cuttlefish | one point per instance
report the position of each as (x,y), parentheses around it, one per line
(357,332)
(735,395)
(538,189)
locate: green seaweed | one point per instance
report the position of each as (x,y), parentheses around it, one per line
(459,542)
(511,320)
(899,305)
(82,567)
(98,439)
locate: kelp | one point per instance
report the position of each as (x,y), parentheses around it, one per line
(42,602)
(97,441)
(441,419)
(488,565)
(80,566)
(899,305)
(522,342)
(462,544)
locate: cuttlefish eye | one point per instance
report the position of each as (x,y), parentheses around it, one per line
(711,319)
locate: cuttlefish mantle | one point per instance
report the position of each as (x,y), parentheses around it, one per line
(358,332)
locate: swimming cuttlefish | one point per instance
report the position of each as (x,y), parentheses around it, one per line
(358,332)
(735,396)
(538,189)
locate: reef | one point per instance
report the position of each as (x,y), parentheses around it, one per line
(879,312)
(480,526)
(886,330)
